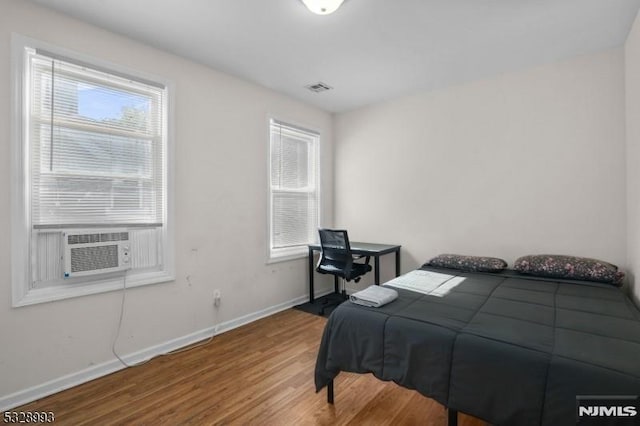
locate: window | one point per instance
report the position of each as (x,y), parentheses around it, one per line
(92,144)
(294,190)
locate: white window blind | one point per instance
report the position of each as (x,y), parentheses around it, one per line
(97,145)
(294,188)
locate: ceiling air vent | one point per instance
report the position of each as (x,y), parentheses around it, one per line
(318,87)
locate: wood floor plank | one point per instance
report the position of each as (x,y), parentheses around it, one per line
(261,374)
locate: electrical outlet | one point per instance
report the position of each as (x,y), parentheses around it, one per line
(216,298)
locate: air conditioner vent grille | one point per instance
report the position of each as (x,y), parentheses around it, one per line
(94,258)
(97,237)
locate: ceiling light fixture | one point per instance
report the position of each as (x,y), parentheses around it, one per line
(322,7)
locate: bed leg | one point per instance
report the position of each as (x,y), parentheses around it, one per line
(330,392)
(452,417)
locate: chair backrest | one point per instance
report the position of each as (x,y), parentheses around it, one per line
(336,253)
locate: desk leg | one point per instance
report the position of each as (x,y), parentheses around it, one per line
(376,269)
(330,392)
(311,297)
(452,417)
(398,263)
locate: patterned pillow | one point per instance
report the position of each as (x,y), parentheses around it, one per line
(468,263)
(570,267)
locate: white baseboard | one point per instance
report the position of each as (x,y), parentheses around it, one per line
(74,379)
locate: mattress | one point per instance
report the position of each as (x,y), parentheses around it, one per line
(506,348)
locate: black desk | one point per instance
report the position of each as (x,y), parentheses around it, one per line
(364,249)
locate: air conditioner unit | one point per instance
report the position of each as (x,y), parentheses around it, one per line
(90,252)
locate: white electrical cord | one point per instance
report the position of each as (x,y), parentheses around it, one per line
(204,342)
(113,345)
(177,351)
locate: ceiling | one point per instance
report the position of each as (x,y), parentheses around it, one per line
(369,50)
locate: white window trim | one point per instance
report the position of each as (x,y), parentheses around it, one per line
(294,253)
(21,230)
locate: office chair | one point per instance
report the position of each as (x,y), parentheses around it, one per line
(336,259)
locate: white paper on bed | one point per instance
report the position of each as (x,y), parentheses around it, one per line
(374,296)
(420,281)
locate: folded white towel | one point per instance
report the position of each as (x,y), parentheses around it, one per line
(374,296)
(420,281)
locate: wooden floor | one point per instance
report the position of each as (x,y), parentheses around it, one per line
(261,374)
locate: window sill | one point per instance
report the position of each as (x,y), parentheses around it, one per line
(60,292)
(290,255)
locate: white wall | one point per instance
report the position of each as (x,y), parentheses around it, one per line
(526,162)
(221,141)
(632,79)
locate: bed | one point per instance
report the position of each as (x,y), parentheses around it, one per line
(503,347)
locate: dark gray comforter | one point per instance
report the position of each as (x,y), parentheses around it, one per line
(504,348)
